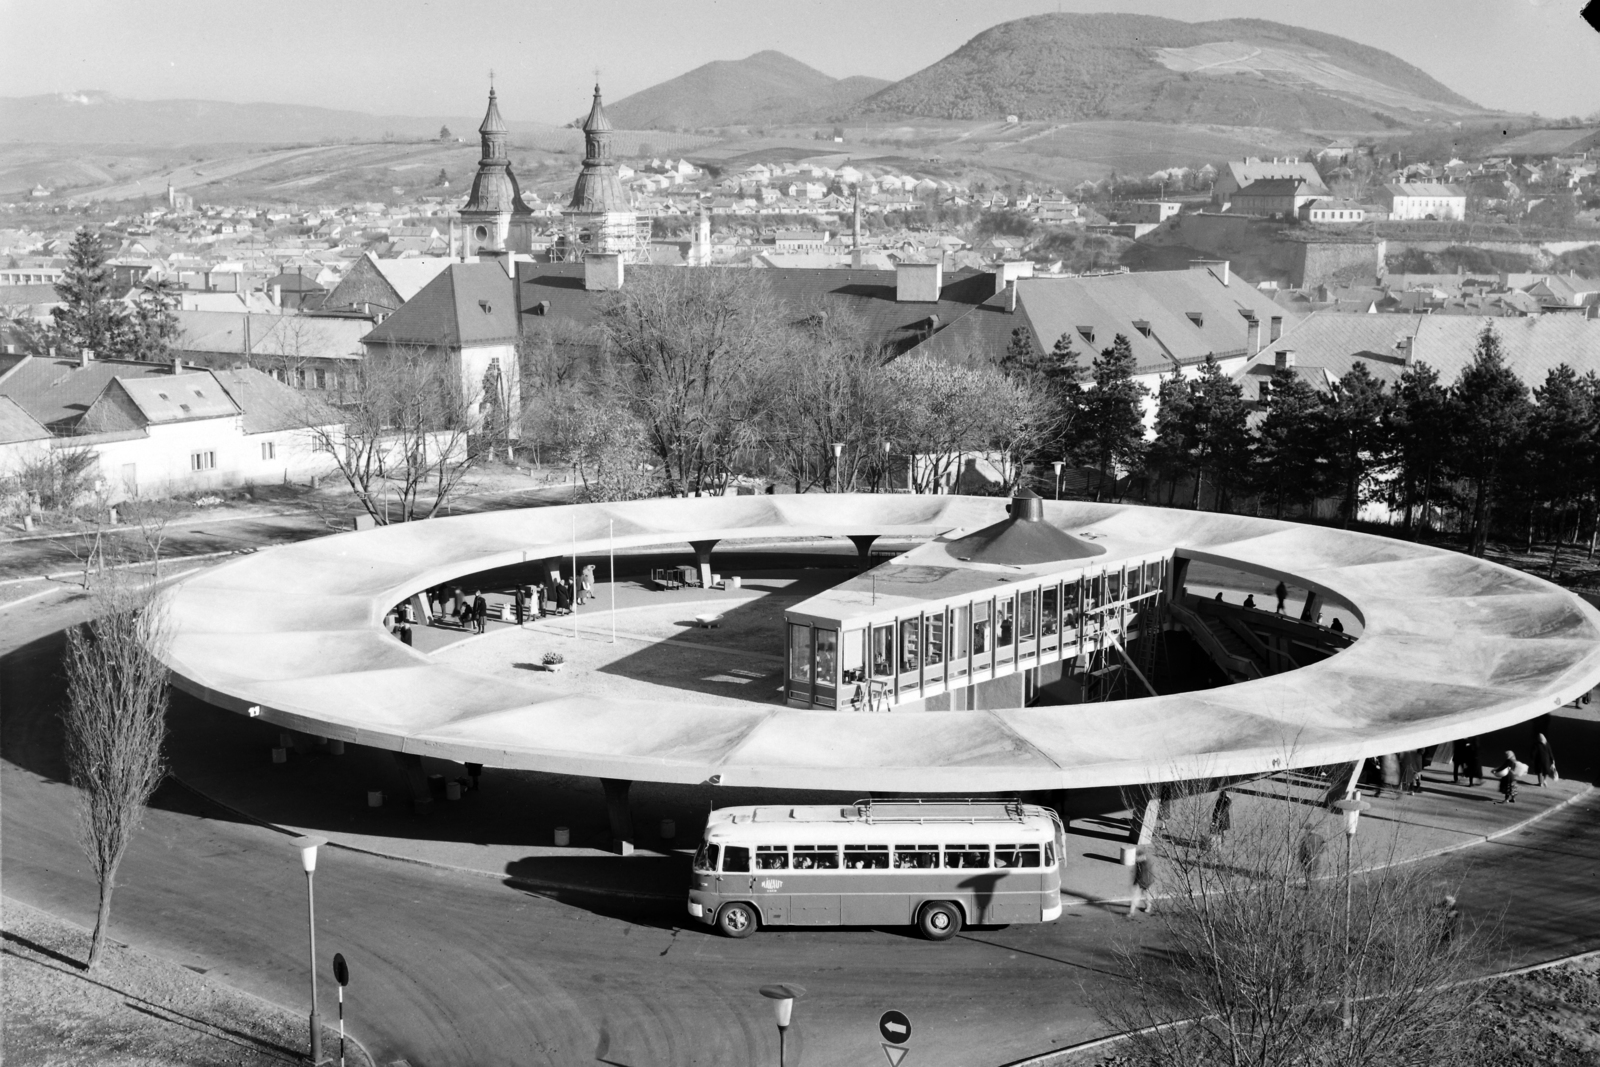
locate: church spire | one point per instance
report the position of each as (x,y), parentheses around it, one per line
(493,131)
(598,188)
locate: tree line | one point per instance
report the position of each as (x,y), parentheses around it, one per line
(93,316)
(691,380)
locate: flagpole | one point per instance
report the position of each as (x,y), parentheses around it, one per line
(576,585)
(611,530)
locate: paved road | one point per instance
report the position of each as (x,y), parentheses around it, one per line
(454,969)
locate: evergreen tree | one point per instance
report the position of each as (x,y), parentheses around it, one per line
(1563,450)
(1170,455)
(1113,430)
(90,317)
(1064,388)
(1420,428)
(154,325)
(1355,438)
(1287,452)
(1221,434)
(1021,359)
(1489,409)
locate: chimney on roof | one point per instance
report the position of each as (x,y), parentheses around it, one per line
(1252,334)
(1407,347)
(1011,297)
(85,356)
(177,366)
(1221,269)
(602,271)
(1283,359)
(918,283)
(1275,328)
(277,297)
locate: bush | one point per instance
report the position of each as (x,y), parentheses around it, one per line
(553,659)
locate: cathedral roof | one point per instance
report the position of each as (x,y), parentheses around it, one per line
(492,122)
(597,121)
(598,188)
(495,189)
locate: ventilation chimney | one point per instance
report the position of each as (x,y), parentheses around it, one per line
(85,356)
(1026,506)
(277,296)
(1219,268)
(1252,334)
(1407,347)
(177,367)
(1011,297)
(1283,359)
(1274,328)
(602,271)
(918,283)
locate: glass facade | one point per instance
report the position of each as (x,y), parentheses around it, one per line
(951,645)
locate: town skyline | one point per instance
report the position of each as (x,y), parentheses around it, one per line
(1519,56)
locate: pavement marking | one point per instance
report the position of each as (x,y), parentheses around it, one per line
(33,596)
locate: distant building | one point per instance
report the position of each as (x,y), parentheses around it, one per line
(1333,212)
(1156,211)
(1238,174)
(495,218)
(599,219)
(1275,197)
(1424,200)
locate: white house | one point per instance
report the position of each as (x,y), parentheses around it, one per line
(1424,200)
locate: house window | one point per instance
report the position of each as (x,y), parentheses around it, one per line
(300,378)
(321,379)
(202,461)
(269,450)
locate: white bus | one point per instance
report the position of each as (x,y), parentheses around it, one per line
(938,864)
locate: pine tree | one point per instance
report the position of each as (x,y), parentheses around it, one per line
(1170,456)
(1489,408)
(1356,437)
(1563,449)
(154,325)
(1221,434)
(90,318)
(1421,431)
(1113,430)
(1287,443)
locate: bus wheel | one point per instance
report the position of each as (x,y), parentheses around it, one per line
(737,920)
(939,921)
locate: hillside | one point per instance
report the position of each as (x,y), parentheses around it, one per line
(92,117)
(1235,72)
(768,87)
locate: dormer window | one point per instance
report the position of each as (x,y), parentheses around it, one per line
(199,394)
(1196,317)
(1087,333)
(184,407)
(484,304)
(1143,326)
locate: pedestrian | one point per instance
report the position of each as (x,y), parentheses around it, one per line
(460,613)
(588,582)
(1250,600)
(1282,593)
(538,599)
(1219,598)
(1221,817)
(435,606)
(1449,919)
(405,633)
(1544,761)
(521,603)
(1410,771)
(1144,879)
(480,612)
(1508,773)
(1471,760)
(1336,626)
(1310,854)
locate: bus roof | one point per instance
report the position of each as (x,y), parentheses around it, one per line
(910,822)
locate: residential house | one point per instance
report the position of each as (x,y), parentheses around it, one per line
(24,441)
(1424,200)
(1332,212)
(373,288)
(1274,197)
(1238,174)
(1151,211)
(309,352)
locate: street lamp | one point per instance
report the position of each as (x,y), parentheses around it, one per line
(1057,465)
(308,861)
(1351,808)
(783,998)
(838,447)
(886,446)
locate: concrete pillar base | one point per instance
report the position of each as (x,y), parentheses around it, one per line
(702,558)
(863,543)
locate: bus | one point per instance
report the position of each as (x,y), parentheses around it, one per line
(935,864)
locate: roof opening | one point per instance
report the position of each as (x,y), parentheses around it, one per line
(184,407)
(163,396)
(1087,333)
(199,394)
(1196,317)
(1143,326)
(484,304)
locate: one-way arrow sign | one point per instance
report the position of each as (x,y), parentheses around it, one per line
(895,1053)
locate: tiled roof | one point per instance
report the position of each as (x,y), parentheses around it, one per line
(177,397)
(17,425)
(1332,341)
(1274,187)
(1178,315)
(468,304)
(57,392)
(869,295)
(1433,189)
(305,336)
(269,405)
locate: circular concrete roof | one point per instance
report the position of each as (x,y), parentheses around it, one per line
(1450,646)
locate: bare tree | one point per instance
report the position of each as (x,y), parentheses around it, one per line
(602,441)
(940,412)
(115,723)
(404,431)
(1275,954)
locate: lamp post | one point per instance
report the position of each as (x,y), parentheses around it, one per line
(783,998)
(886,446)
(838,483)
(1057,465)
(308,861)
(1351,808)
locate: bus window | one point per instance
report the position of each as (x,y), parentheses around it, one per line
(772,857)
(866,857)
(883,651)
(1016,855)
(920,857)
(1049,855)
(816,857)
(967,856)
(706,858)
(736,858)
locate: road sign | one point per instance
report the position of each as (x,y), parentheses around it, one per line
(895,1027)
(341,970)
(895,1054)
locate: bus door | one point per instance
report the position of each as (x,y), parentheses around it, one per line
(735,880)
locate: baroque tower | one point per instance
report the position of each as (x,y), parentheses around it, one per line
(494,219)
(600,217)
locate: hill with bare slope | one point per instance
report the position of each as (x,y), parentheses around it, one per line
(768,87)
(1234,72)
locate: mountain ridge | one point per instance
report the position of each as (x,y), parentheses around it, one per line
(766,87)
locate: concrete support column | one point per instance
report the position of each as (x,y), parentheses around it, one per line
(419,604)
(1146,817)
(619,813)
(863,543)
(1180,577)
(1313,606)
(1342,783)
(416,781)
(702,556)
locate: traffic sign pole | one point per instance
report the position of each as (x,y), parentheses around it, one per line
(341,974)
(895,1029)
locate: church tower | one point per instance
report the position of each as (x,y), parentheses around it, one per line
(600,217)
(494,219)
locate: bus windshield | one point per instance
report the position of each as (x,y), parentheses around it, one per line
(706,858)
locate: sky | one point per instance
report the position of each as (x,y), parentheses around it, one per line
(431,57)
